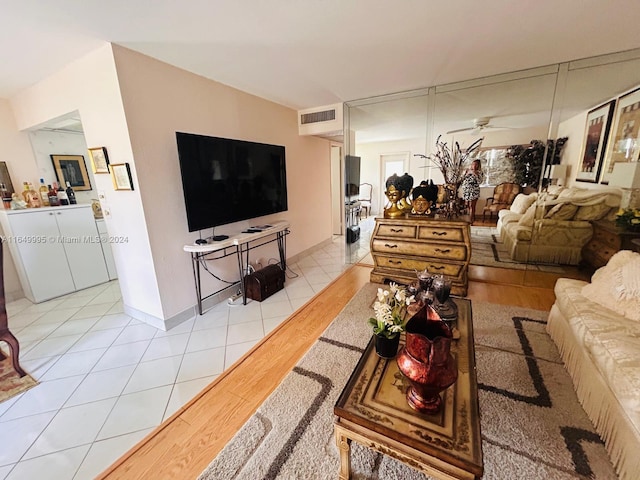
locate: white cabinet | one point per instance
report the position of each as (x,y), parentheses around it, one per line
(56,250)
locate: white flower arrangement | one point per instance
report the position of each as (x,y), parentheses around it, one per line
(390,308)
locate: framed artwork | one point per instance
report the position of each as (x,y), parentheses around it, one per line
(121,176)
(99,159)
(596,133)
(624,144)
(72,169)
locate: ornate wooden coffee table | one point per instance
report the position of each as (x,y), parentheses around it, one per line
(373,411)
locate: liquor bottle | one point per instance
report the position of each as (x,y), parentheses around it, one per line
(44,193)
(34,198)
(71,195)
(25,191)
(63,199)
(53,197)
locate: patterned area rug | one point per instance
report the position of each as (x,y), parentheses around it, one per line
(11,383)
(487,250)
(532,424)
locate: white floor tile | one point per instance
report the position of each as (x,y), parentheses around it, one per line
(101,385)
(136,411)
(276,309)
(210,338)
(155,373)
(299,291)
(58,315)
(59,466)
(73,327)
(166,347)
(35,332)
(38,367)
(211,319)
(115,320)
(270,323)
(245,332)
(116,308)
(245,313)
(45,397)
(72,364)
(184,327)
(50,347)
(121,355)
(135,333)
(4,471)
(72,427)
(102,453)
(203,363)
(18,435)
(183,392)
(92,310)
(97,339)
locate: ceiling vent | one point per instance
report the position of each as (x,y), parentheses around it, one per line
(321,121)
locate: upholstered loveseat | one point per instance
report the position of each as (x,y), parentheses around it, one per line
(552,227)
(596,327)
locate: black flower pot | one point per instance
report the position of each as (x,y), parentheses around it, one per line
(387,347)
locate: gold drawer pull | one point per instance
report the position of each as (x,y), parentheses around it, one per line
(433,267)
(390,246)
(395,262)
(397,230)
(443,250)
(439,234)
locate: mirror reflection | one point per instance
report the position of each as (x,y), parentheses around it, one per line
(551,139)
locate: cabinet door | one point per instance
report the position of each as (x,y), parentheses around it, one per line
(83,249)
(84,252)
(42,255)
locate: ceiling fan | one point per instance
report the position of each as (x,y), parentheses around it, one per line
(479,124)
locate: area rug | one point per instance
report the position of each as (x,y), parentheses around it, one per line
(487,250)
(532,424)
(11,383)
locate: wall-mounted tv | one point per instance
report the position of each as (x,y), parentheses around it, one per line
(226,180)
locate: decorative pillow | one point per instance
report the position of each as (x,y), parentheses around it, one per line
(554,190)
(616,286)
(522,202)
(592,212)
(530,215)
(562,211)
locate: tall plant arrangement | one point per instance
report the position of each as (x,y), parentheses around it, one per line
(451,161)
(528,161)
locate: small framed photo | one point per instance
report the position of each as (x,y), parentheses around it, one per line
(121,176)
(99,159)
(72,169)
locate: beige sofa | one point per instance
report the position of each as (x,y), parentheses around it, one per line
(596,327)
(552,227)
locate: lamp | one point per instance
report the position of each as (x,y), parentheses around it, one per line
(558,172)
(627,177)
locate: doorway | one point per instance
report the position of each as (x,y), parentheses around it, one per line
(391,163)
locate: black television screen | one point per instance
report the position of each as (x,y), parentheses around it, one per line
(226,181)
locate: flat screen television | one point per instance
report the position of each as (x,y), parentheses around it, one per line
(226,181)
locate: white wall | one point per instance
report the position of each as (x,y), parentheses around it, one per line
(90,86)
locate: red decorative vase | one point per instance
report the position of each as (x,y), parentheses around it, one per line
(426,360)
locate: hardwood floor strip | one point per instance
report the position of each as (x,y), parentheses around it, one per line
(186,443)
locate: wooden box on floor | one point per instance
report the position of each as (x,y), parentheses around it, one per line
(263,283)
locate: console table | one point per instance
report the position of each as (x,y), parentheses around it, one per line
(402,246)
(238,245)
(607,239)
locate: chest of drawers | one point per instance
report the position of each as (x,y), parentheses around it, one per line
(607,239)
(402,246)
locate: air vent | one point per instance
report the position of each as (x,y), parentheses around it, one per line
(316,117)
(321,121)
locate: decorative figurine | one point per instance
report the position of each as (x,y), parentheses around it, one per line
(397,190)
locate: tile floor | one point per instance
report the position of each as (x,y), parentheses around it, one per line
(107,380)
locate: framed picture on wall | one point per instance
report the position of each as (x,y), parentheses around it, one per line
(121,176)
(72,169)
(624,144)
(6,178)
(99,159)
(596,133)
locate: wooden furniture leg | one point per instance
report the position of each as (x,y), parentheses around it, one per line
(5,334)
(344,446)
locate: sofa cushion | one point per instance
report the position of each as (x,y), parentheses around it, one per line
(522,202)
(530,215)
(562,211)
(616,286)
(592,212)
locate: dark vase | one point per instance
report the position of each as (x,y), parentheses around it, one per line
(426,360)
(387,347)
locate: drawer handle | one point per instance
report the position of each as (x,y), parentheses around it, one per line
(395,262)
(390,246)
(397,230)
(433,267)
(443,250)
(439,234)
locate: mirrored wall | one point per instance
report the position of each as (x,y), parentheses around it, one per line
(547,129)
